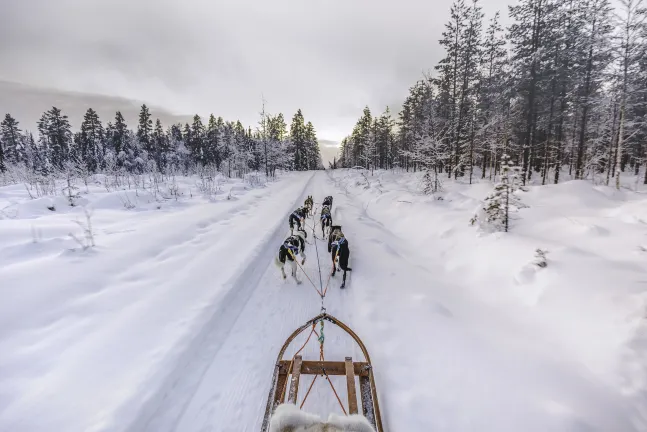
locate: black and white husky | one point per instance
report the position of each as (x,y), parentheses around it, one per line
(339,251)
(289,251)
(297,218)
(326,220)
(327,201)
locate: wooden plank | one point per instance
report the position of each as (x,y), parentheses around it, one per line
(332,367)
(367,399)
(294,384)
(350,385)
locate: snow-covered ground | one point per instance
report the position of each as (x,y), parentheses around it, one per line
(87,337)
(174,320)
(486,339)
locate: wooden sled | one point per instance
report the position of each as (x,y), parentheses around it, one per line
(297,367)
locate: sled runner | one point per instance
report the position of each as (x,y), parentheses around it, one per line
(292,371)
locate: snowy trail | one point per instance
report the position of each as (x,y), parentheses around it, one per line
(231,395)
(443,362)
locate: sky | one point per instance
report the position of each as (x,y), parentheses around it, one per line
(328,57)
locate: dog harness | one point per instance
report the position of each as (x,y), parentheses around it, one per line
(293,248)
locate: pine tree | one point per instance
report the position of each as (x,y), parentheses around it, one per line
(298,141)
(56,137)
(160,146)
(595,59)
(361,138)
(528,34)
(118,141)
(493,96)
(631,77)
(278,155)
(197,140)
(10,140)
(145,130)
(312,148)
(495,213)
(91,141)
(211,142)
(3,167)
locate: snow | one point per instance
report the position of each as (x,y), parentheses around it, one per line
(174,320)
(88,338)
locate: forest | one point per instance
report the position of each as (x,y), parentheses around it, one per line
(562,91)
(217,146)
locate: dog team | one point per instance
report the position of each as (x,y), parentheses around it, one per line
(293,248)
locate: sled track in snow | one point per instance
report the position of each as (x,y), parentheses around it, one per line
(164,409)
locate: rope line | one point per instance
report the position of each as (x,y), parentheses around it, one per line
(323,294)
(320,335)
(304,272)
(325,374)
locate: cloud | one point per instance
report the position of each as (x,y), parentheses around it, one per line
(328,57)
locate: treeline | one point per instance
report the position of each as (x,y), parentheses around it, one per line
(562,90)
(227,146)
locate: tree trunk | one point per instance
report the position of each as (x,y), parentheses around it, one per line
(544,173)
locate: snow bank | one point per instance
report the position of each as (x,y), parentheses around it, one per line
(88,338)
(578,323)
(289,418)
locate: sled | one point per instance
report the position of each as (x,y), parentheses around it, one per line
(291,371)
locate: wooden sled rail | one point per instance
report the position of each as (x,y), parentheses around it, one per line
(363,370)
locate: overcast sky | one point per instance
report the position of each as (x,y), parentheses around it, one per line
(328,57)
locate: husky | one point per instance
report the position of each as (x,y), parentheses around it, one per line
(339,251)
(292,247)
(308,205)
(296,218)
(327,201)
(326,220)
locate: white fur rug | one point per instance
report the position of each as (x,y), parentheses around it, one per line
(289,418)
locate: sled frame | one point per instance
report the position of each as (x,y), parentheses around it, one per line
(349,368)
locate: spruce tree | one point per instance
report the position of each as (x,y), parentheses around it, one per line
(160,146)
(145,129)
(595,59)
(3,167)
(91,141)
(10,140)
(211,141)
(495,213)
(298,141)
(119,142)
(197,140)
(278,156)
(56,137)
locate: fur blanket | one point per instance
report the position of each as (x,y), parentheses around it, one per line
(289,418)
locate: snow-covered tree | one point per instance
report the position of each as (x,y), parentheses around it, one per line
(10,141)
(497,206)
(145,129)
(91,142)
